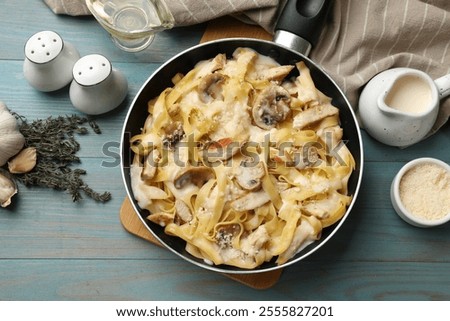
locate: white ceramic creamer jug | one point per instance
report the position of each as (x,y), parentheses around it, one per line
(398,107)
(97,87)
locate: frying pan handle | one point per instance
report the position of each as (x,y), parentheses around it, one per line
(300,24)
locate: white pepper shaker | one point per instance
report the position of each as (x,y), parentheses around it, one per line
(49,61)
(97,87)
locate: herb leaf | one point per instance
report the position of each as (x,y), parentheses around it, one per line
(56,147)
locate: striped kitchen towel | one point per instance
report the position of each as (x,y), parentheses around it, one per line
(362,38)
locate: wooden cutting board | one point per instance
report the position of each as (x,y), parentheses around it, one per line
(133,225)
(226,27)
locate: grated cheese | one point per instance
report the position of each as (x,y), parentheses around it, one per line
(425,191)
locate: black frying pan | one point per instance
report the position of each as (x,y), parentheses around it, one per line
(298,18)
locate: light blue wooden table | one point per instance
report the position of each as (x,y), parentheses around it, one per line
(53,249)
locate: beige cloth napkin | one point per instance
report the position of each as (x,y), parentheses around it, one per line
(363,37)
(189,12)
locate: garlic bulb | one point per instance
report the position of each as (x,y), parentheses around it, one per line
(8,188)
(11,140)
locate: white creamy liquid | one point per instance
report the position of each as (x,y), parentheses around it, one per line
(410,94)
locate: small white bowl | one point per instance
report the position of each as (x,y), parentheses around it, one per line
(396,200)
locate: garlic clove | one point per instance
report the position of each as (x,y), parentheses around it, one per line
(23,162)
(8,188)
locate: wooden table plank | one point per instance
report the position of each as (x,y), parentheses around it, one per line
(178,280)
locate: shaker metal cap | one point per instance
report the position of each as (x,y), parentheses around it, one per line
(43,47)
(91,70)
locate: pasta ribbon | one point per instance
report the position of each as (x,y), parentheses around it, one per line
(242,160)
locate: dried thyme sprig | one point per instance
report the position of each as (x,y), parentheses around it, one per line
(56,148)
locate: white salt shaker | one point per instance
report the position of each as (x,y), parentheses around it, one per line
(426,192)
(97,87)
(49,61)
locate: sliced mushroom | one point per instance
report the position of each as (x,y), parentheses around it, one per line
(143,193)
(210,87)
(249,175)
(193,175)
(183,211)
(206,67)
(217,63)
(174,133)
(251,201)
(226,233)
(309,157)
(271,107)
(150,165)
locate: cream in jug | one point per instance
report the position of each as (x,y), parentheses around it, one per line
(410,94)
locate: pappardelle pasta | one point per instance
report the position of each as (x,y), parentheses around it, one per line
(242,160)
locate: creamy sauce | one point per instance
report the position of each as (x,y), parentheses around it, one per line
(410,94)
(222,200)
